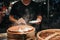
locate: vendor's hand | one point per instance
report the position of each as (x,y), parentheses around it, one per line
(16,22)
(39,19)
(21,21)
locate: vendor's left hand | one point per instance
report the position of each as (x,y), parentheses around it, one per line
(39,19)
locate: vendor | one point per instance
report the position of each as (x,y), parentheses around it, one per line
(25,11)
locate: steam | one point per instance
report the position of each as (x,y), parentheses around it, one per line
(24,29)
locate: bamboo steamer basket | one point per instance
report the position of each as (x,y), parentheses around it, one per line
(49,34)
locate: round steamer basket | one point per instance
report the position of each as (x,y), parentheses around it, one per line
(49,34)
(14,34)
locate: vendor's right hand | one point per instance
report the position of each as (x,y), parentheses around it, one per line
(16,22)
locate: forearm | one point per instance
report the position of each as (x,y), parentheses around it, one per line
(12,19)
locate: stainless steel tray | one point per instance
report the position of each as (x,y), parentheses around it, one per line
(3,36)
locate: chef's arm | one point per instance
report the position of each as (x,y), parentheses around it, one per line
(19,21)
(39,18)
(12,19)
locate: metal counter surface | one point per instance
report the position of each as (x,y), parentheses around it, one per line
(3,36)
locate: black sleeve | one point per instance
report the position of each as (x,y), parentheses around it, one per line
(13,10)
